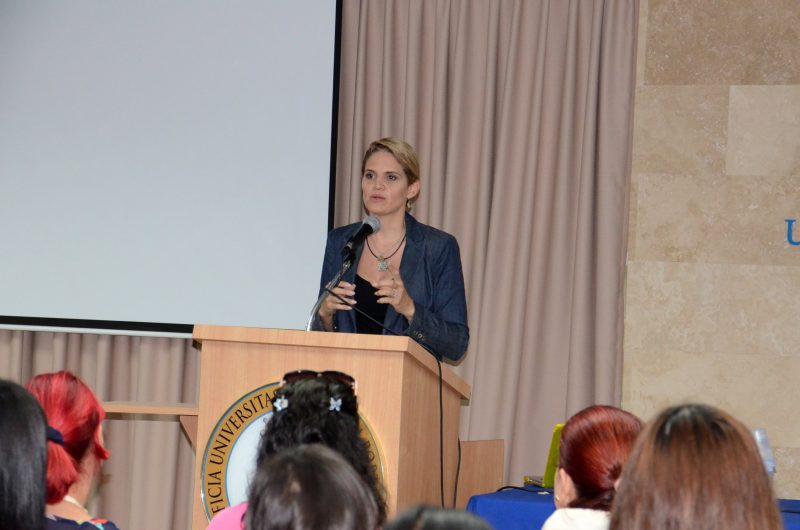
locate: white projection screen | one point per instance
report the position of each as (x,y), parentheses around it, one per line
(165,161)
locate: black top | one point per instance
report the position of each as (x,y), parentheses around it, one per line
(367,302)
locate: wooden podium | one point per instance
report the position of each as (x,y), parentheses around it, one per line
(398,395)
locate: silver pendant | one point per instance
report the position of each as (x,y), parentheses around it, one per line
(383,265)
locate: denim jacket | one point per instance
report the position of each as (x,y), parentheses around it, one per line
(431,272)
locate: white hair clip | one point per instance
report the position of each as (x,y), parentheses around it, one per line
(336,404)
(281,403)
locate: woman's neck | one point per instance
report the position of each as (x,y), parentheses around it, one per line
(69,508)
(73,505)
(79,491)
(392,227)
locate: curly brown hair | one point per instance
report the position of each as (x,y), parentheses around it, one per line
(308,420)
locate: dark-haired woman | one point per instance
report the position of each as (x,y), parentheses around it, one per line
(75,451)
(407,276)
(432,518)
(315,410)
(309,487)
(24,459)
(595,443)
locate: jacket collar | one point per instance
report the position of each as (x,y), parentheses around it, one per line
(413,251)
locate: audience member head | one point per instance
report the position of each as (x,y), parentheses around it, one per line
(321,410)
(695,467)
(24,459)
(309,487)
(595,443)
(405,155)
(433,518)
(74,413)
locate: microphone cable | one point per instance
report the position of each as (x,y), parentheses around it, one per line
(441,399)
(458,472)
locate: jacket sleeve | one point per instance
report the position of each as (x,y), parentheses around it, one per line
(443,328)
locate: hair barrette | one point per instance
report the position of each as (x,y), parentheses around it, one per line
(336,404)
(280,404)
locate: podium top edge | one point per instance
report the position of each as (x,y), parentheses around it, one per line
(351,341)
(322,339)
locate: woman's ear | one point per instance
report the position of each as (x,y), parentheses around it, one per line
(564,489)
(413,191)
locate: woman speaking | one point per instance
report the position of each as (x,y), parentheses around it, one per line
(407,276)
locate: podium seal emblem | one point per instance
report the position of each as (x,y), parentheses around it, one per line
(229,459)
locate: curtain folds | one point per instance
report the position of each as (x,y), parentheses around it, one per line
(149,475)
(521,114)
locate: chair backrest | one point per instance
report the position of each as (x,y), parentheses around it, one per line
(549,476)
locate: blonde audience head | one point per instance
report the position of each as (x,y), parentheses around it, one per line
(695,468)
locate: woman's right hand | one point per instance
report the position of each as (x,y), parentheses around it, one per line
(332,303)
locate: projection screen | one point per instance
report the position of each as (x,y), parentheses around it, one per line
(165,161)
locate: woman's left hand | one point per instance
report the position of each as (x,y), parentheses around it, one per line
(392,291)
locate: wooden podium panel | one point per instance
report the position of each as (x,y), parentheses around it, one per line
(397,388)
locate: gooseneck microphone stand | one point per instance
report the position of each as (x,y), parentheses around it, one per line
(346,264)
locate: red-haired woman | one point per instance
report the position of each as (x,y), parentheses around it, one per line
(595,443)
(74,451)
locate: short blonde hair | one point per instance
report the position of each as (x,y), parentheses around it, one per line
(405,155)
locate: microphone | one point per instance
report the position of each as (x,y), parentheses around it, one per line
(370,225)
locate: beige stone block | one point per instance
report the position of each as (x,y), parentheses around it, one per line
(633,213)
(680,130)
(712,309)
(722,42)
(717,219)
(641,40)
(764,130)
(759,390)
(787,474)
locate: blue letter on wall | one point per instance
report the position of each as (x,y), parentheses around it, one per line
(789,230)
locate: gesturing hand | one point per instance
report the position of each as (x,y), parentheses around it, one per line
(332,304)
(391,290)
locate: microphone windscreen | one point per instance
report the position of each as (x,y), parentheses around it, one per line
(373,222)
